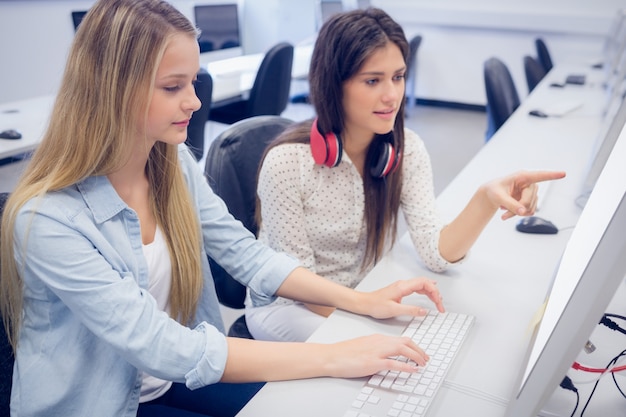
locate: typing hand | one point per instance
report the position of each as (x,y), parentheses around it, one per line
(368,355)
(387,302)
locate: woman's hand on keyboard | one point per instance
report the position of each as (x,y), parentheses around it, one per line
(368,355)
(387,301)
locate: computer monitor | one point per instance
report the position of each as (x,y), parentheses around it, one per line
(614,121)
(591,269)
(326,9)
(77,17)
(614,47)
(219,27)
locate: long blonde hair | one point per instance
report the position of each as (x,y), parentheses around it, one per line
(106,88)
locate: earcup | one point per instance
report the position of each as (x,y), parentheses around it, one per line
(326,149)
(387,161)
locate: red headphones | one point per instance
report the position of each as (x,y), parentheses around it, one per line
(327,150)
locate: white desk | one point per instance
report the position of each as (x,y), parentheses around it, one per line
(502,282)
(29,117)
(233,77)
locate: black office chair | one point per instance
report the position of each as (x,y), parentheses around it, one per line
(270,91)
(77,17)
(411,71)
(6,352)
(543,54)
(502,97)
(195,130)
(534,72)
(231,169)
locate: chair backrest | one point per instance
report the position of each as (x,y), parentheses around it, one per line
(534,72)
(77,17)
(270,92)
(411,71)
(6,352)
(231,169)
(195,130)
(414,45)
(502,97)
(543,54)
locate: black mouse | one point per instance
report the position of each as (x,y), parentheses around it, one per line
(537,113)
(10,134)
(537,225)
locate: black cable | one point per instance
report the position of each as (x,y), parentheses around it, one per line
(569,385)
(605,320)
(611,362)
(616,316)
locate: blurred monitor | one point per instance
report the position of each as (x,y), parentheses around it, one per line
(613,123)
(77,17)
(590,271)
(614,48)
(327,8)
(219,27)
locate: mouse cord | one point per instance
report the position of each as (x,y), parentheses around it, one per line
(477,393)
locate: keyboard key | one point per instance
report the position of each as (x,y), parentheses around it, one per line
(405,394)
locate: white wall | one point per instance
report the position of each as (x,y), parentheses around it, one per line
(35,36)
(459,35)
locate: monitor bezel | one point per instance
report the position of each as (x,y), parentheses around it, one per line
(599,280)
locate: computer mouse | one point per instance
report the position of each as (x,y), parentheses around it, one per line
(10,134)
(537,225)
(537,113)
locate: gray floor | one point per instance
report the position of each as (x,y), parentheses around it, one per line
(452,137)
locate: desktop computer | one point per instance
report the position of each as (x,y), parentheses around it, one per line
(589,273)
(219,29)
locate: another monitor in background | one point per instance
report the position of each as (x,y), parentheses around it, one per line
(614,43)
(589,273)
(327,8)
(77,17)
(219,29)
(614,122)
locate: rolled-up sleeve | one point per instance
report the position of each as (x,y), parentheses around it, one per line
(211,366)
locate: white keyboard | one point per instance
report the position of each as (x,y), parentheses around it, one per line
(404,394)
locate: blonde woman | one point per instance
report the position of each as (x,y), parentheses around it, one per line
(106,291)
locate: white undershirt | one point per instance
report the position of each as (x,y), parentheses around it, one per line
(160,275)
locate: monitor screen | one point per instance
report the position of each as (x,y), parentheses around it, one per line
(77,17)
(219,26)
(614,121)
(327,9)
(589,273)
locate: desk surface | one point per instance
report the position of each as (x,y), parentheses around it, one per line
(232,77)
(29,117)
(502,282)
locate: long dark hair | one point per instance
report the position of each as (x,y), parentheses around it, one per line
(343,45)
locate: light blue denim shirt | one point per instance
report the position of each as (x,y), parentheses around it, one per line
(89,322)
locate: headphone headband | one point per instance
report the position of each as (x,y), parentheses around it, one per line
(327,150)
